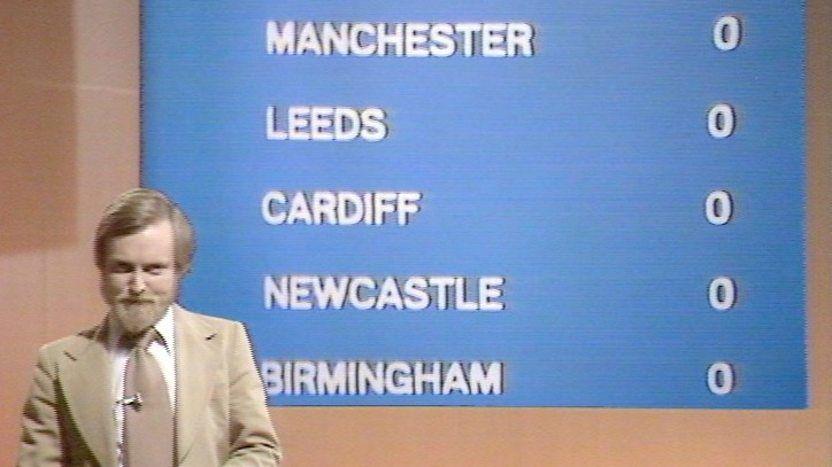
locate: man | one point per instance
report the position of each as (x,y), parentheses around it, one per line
(153,384)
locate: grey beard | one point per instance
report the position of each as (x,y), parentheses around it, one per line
(135,318)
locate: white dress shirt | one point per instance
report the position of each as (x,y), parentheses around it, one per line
(165,355)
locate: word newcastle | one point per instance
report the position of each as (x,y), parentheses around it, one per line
(305,292)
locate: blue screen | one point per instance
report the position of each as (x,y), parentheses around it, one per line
(492,203)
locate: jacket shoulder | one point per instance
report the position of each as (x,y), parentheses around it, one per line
(71,342)
(207,322)
(51,354)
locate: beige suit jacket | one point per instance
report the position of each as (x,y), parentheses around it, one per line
(221,416)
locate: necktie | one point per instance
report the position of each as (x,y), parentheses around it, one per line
(148,420)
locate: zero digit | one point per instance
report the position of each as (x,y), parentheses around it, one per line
(727,33)
(722,293)
(721,121)
(719,207)
(721,378)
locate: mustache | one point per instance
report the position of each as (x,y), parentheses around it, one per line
(132,300)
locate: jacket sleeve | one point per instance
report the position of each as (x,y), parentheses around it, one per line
(40,443)
(253,440)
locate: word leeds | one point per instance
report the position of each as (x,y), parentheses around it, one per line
(400,39)
(394,377)
(298,292)
(326,123)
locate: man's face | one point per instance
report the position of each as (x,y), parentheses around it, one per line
(139,279)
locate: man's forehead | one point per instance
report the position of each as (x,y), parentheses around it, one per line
(162,229)
(155,239)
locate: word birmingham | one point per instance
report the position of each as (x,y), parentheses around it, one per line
(398,377)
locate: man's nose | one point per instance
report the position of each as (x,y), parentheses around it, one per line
(136,285)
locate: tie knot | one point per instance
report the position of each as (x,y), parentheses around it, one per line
(142,341)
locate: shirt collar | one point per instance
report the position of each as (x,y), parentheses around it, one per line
(164,326)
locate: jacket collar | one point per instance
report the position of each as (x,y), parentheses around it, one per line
(86,384)
(196,368)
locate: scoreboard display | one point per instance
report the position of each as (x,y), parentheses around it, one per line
(492,203)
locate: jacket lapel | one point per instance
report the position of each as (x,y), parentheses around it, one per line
(86,379)
(195,367)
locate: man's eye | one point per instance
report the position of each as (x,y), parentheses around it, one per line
(121,268)
(156,270)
